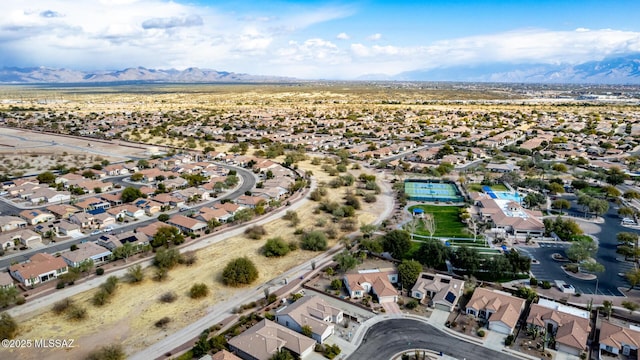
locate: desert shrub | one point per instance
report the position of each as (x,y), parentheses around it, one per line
(533,281)
(411,304)
(60,285)
(61,306)
(100,298)
(370,198)
(99,271)
(255,232)
(76,313)
(188,259)
(135,274)
(161,274)
(162,323)
(546,285)
(198,291)
(275,247)
(108,352)
(8,327)
(110,285)
(168,297)
(240,271)
(508,340)
(20,300)
(314,241)
(480,333)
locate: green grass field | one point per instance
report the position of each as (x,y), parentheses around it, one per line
(448,223)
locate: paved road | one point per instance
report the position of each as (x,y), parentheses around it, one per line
(390,337)
(248,182)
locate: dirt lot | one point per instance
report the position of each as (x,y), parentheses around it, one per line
(32,152)
(130,316)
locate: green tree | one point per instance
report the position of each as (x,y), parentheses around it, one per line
(129,194)
(282,354)
(167,235)
(561,204)
(397,243)
(166,258)
(8,296)
(615,176)
(408,272)
(345,260)
(240,271)
(633,277)
(433,254)
(582,250)
(466,258)
(607,308)
(46,177)
(163,217)
(124,251)
(136,177)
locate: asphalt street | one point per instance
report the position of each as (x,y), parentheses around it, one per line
(608,281)
(248,183)
(390,337)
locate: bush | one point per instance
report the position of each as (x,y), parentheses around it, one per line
(100,298)
(60,285)
(412,304)
(240,271)
(76,313)
(533,281)
(480,333)
(336,284)
(255,232)
(546,285)
(20,300)
(314,241)
(188,259)
(162,323)
(508,340)
(8,326)
(331,351)
(160,274)
(275,247)
(135,274)
(168,297)
(99,271)
(198,291)
(108,352)
(61,306)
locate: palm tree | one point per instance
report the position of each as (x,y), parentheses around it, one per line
(607,308)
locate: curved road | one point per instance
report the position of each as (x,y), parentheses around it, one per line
(390,337)
(248,182)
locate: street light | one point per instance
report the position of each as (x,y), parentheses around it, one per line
(597,280)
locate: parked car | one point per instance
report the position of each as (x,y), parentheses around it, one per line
(96,232)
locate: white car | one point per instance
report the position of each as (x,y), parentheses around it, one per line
(96,232)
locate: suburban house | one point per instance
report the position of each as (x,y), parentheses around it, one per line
(66,228)
(619,339)
(206,214)
(103,220)
(249,201)
(85,252)
(6,281)
(375,281)
(570,326)
(49,195)
(221,355)
(311,311)
(35,216)
(8,223)
(500,309)
(266,338)
(111,241)
(186,224)
(437,290)
(62,211)
(23,236)
(40,268)
(84,220)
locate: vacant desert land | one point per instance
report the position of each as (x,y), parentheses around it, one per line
(129,318)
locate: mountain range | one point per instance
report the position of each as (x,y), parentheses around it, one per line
(44,75)
(615,70)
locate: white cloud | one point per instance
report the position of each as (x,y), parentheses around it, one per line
(343,36)
(374,37)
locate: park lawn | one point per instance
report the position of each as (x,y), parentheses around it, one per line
(499,187)
(448,223)
(593,191)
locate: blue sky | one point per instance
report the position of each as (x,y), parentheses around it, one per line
(312,39)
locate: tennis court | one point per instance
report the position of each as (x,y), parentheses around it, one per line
(432,190)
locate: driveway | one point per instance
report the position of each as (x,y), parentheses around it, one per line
(390,337)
